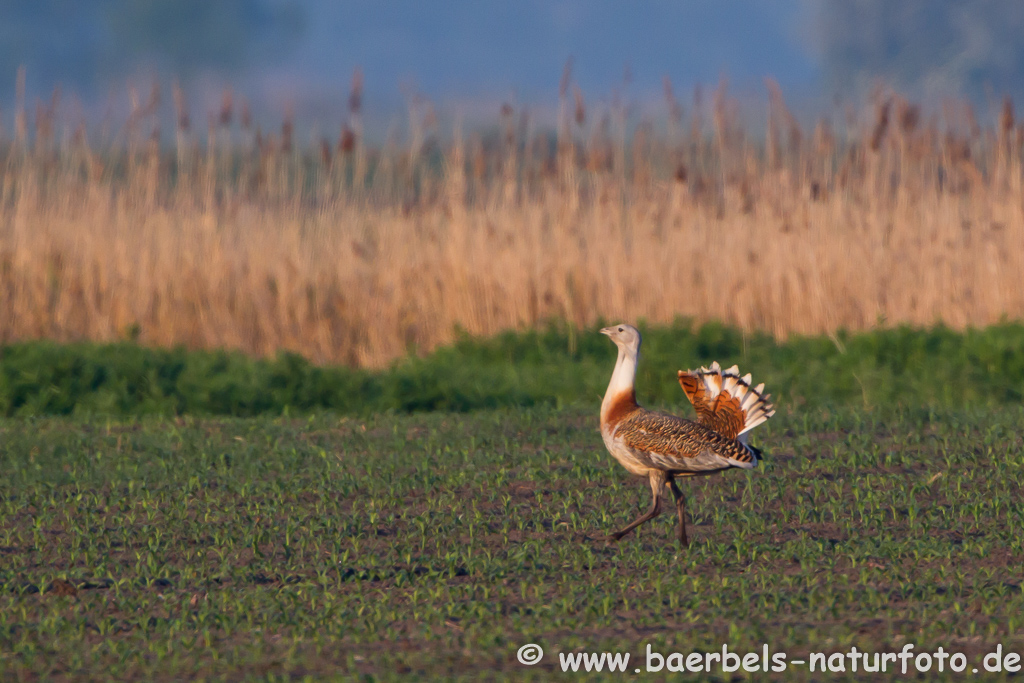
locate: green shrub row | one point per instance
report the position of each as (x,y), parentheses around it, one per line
(555,366)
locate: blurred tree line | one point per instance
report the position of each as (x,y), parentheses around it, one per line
(88,42)
(939,47)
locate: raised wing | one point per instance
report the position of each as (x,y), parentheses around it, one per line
(724,401)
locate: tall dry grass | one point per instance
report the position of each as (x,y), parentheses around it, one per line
(246,239)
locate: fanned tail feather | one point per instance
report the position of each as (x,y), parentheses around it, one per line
(725,401)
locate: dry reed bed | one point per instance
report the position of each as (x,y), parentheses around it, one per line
(354,255)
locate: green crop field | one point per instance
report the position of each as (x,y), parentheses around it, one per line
(437,544)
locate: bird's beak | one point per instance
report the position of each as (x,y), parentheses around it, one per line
(608,331)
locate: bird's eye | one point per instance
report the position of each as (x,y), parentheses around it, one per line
(620,329)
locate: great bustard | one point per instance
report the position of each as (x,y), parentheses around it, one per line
(665,447)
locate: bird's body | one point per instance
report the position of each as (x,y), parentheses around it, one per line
(664,447)
(644,440)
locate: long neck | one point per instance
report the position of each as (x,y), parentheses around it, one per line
(620,395)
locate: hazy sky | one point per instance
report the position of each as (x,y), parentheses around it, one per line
(473,47)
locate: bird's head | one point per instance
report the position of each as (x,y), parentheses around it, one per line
(626,337)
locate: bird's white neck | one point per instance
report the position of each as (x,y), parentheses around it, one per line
(621,386)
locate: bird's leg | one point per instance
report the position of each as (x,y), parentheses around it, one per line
(658,479)
(680,512)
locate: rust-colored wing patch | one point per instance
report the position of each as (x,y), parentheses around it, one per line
(727,416)
(724,401)
(693,387)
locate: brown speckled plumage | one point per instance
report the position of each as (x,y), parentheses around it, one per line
(676,437)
